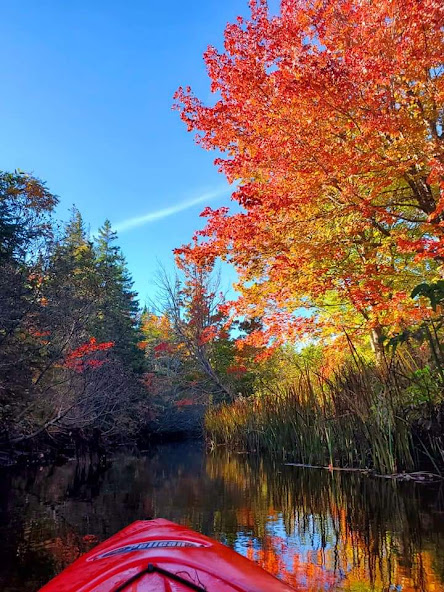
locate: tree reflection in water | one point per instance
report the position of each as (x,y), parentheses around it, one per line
(316,530)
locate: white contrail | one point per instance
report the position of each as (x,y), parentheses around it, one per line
(165,212)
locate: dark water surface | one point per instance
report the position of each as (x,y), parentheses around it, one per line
(314,529)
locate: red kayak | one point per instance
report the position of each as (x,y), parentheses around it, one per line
(160,556)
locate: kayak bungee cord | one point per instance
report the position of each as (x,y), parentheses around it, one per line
(164,572)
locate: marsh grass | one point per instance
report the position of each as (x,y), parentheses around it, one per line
(385,418)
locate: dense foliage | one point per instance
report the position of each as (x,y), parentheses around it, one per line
(329,118)
(68,328)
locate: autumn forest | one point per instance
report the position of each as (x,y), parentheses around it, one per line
(327,121)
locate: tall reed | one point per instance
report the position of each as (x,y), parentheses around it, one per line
(362,416)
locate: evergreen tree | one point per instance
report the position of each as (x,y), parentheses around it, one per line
(72,284)
(75,234)
(118,308)
(78,254)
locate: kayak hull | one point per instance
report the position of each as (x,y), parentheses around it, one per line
(161,556)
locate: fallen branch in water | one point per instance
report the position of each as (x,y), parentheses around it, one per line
(420,476)
(328,468)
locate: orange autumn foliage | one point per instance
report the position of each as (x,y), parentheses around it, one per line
(329,118)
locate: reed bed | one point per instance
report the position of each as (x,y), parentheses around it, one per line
(363,416)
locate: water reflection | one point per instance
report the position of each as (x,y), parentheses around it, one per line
(316,530)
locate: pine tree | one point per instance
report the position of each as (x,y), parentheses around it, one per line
(78,252)
(70,287)
(118,308)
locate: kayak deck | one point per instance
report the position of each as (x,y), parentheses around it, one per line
(161,556)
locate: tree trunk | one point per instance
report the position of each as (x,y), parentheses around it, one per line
(376,344)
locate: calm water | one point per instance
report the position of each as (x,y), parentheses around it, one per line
(316,530)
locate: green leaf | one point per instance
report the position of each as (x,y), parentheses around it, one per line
(420,290)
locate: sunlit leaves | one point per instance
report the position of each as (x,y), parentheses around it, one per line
(329,117)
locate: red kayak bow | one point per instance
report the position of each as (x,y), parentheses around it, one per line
(160,556)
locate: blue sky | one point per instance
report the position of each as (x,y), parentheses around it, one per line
(85,105)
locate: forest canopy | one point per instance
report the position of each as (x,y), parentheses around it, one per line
(329,117)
